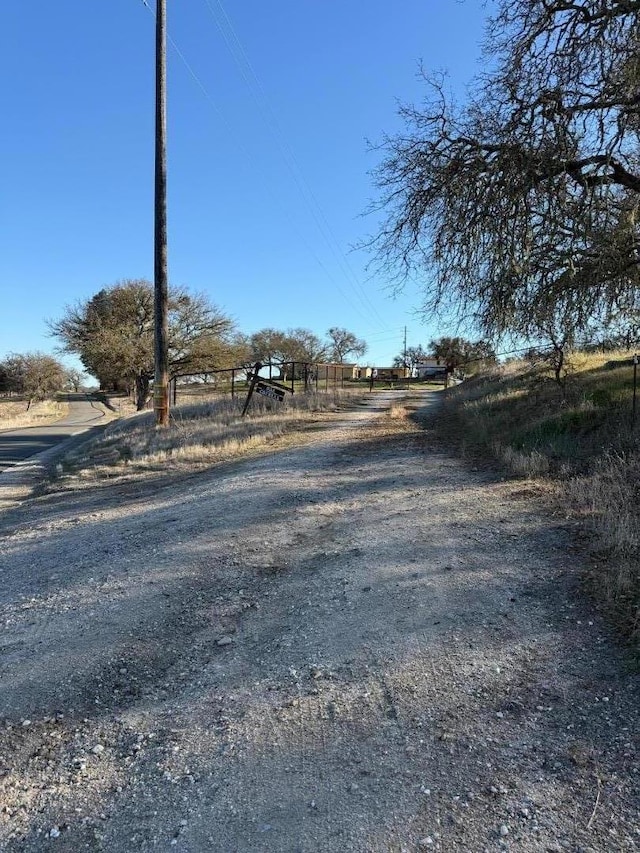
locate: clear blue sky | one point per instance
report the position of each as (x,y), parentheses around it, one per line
(268,157)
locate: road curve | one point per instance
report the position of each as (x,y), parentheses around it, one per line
(16,445)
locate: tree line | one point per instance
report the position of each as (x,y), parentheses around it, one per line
(112,333)
(454,352)
(36,376)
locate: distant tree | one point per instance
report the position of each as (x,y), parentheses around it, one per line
(269,345)
(5,384)
(283,347)
(33,374)
(112,333)
(306,346)
(414,356)
(343,343)
(75,378)
(459,352)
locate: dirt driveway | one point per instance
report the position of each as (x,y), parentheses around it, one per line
(355,644)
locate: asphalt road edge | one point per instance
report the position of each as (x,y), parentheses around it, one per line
(19,482)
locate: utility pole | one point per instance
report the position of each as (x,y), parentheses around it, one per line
(161,287)
(404,358)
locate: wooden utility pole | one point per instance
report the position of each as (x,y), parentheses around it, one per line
(404,357)
(161,286)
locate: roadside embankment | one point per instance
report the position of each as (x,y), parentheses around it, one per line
(577,437)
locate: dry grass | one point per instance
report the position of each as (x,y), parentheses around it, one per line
(200,434)
(608,498)
(14,413)
(397,410)
(582,438)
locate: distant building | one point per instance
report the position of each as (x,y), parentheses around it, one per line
(336,371)
(431,368)
(387,374)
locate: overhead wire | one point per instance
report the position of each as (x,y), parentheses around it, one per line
(248,157)
(259,95)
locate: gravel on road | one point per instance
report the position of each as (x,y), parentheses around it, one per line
(355,644)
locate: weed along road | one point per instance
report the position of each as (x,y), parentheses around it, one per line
(16,445)
(348,641)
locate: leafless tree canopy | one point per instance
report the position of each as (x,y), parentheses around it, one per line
(343,343)
(32,374)
(522,204)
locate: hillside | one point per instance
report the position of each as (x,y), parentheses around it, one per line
(576,436)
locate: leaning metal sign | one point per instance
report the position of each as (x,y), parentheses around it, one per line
(272,393)
(268,388)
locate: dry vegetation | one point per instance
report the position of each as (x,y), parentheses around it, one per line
(15,414)
(580,438)
(200,434)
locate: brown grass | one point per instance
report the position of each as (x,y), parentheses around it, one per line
(580,437)
(608,499)
(200,434)
(14,413)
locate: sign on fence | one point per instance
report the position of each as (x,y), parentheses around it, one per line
(266,387)
(268,391)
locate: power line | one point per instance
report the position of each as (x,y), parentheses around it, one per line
(248,157)
(257,91)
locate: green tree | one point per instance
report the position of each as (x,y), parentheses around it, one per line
(113,335)
(283,347)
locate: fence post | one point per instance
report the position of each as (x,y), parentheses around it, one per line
(233,383)
(293,377)
(254,379)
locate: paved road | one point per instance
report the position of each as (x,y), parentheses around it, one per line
(16,445)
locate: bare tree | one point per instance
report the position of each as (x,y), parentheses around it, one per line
(410,358)
(75,378)
(35,375)
(343,343)
(527,197)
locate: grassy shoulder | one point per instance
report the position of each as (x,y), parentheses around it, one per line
(16,412)
(581,438)
(200,434)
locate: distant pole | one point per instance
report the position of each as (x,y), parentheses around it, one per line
(161,287)
(404,357)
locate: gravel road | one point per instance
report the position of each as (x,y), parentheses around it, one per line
(354,644)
